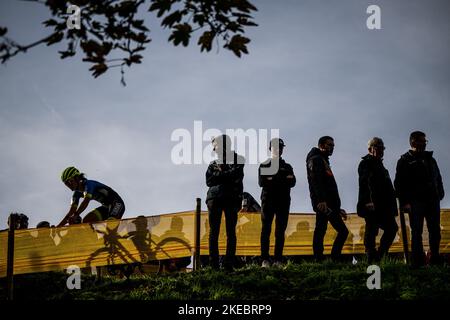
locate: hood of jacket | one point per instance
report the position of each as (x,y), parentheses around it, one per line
(315,152)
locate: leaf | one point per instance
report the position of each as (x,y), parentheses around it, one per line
(224,6)
(98,69)
(136,58)
(57,37)
(3,31)
(246,22)
(65,54)
(244,6)
(140,37)
(181,34)
(205,41)
(61,26)
(238,44)
(221,18)
(115,32)
(50,22)
(171,19)
(104,49)
(160,5)
(138,49)
(90,46)
(234,26)
(200,19)
(126,8)
(139,24)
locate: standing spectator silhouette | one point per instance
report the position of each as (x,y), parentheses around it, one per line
(275,200)
(325,199)
(224,179)
(376,201)
(419,187)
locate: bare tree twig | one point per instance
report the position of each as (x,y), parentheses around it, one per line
(20,48)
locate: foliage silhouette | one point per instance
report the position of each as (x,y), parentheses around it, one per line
(109,27)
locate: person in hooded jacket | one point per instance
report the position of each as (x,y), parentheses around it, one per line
(377,203)
(419,187)
(224,178)
(325,199)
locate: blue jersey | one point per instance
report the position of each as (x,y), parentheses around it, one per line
(98,192)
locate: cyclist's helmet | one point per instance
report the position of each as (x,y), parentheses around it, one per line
(68,173)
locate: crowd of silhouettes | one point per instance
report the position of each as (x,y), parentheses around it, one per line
(417,186)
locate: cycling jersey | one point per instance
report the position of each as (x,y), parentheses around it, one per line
(112,203)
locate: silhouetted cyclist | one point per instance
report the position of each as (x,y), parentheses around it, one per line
(112,204)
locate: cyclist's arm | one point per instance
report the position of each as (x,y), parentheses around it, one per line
(72,211)
(83,206)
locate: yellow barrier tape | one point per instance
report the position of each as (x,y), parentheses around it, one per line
(106,243)
(166,236)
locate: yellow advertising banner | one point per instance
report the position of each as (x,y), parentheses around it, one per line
(166,236)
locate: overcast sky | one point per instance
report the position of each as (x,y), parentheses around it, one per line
(314,69)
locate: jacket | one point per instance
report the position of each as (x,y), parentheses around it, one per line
(375,186)
(418,178)
(279,187)
(322,185)
(225,180)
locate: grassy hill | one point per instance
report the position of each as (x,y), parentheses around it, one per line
(302,281)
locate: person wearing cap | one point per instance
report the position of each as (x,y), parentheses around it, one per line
(224,178)
(377,203)
(276,177)
(419,187)
(325,199)
(112,205)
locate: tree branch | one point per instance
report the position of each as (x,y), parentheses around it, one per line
(20,48)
